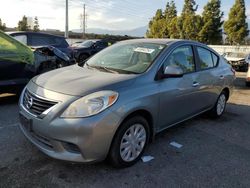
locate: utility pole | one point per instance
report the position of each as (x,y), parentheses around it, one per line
(67,20)
(84,21)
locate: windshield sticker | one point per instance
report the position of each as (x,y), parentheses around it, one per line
(144,50)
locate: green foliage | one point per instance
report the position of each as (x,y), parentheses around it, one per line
(158,26)
(2,25)
(189,24)
(23,24)
(189,8)
(206,28)
(236,26)
(36,25)
(211,32)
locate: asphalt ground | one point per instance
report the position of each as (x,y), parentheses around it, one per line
(215,153)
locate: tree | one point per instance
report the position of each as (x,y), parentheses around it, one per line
(159,25)
(23,24)
(2,25)
(236,25)
(211,31)
(189,24)
(189,8)
(171,20)
(156,26)
(36,25)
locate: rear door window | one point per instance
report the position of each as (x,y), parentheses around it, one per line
(207,58)
(42,40)
(21,38)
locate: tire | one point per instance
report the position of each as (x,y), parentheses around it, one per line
(220,106)
(123,152)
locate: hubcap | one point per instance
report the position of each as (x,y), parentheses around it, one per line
(133,142)
(221,104)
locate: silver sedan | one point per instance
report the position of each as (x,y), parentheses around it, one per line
(113,104)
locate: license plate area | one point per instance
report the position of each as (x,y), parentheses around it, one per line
(26,123)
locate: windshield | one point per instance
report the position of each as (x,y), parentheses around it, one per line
(87,43)
(127,58)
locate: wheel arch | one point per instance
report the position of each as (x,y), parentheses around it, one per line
(227,92)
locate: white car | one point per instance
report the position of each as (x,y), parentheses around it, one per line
(248,76)
(237,60)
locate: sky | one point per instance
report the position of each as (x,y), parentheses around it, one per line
(104,14)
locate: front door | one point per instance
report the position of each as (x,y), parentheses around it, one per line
(179,96)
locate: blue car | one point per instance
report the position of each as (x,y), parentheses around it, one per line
(38,39)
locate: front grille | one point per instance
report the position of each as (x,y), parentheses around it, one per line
(35,104)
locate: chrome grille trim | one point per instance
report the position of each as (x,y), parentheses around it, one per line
(39,107)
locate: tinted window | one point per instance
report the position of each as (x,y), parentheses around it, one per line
(101,44)
(215,59)
(21,38)
(182,57)
(61,42)
(206,58)
(40,40)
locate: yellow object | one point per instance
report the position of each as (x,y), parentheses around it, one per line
(13,50)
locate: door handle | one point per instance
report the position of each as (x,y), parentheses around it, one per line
(222,77)
(196,84)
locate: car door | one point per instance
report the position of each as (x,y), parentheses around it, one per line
(13,59)
(209,77)
(178,96)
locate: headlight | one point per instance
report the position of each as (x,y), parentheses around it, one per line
(91,104)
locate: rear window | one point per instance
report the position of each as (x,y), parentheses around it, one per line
(44,40)
(40,40)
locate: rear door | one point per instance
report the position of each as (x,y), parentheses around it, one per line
(179,96)
(209,77)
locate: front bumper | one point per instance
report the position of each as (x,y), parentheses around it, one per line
(76,140)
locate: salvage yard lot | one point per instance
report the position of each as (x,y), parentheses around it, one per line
(215,153)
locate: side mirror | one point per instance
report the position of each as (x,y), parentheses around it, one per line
(173,71)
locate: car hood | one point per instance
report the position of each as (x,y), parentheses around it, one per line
(79,48)
(234,58)
(79,81)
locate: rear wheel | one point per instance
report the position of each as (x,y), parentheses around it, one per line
(220,105)
(129,142)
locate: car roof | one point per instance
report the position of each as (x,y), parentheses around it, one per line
(30,32)
(163,41)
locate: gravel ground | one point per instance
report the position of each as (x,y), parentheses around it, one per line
(215,153)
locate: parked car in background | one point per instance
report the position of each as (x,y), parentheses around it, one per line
(113,104)
(86,49)
(18,63)
(248,76)
(37,39)
(237,60)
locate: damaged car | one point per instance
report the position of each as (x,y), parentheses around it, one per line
(19,63)
(237,60)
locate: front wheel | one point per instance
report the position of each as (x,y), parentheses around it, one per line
(129,142)
(220,106)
